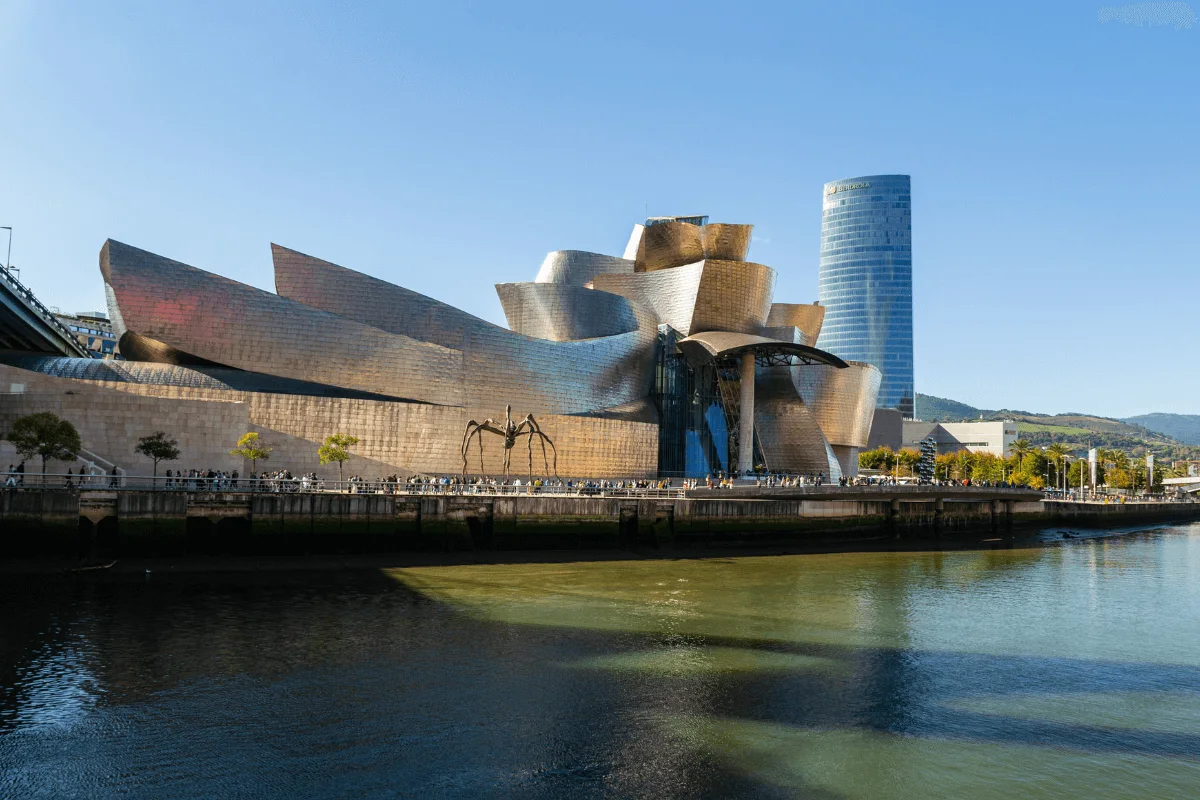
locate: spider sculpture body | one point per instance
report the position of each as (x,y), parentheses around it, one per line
(510,431)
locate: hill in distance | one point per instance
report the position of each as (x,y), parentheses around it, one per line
(1181,427)
(1161,434)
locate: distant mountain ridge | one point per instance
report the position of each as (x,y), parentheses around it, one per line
(940,409)
(1174,436)
(1181,427)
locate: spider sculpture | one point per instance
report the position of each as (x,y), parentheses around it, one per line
(511,431)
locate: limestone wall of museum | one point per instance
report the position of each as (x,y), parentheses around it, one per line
(396,438)
(111,422)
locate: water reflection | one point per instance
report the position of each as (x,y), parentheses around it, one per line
(1064,671)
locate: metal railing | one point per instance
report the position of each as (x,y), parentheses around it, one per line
(49,317)
(304,485)
(1100,498)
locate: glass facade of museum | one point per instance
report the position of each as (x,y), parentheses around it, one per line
(866,279)
(693,439)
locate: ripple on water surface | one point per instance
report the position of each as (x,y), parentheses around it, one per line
(1065,671)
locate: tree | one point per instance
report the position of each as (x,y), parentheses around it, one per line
(943,466)
(880,458)
(908,458)
(336,449)
(158,447)
(46,435)
(1020,448)
(250,447)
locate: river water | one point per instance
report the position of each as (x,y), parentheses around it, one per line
(1058,670)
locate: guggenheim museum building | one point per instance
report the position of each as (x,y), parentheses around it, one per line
(672,359)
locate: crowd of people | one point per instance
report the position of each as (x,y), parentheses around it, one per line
(200,480)
(86,476)
(457,484)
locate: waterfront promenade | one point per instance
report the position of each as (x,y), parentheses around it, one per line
(102,522)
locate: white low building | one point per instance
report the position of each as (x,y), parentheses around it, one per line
(977,437)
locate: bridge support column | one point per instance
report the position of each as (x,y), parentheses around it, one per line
(894,517)
(939,511)
(746,431)
(1008,517)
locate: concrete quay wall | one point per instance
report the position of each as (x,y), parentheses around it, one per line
(129,523)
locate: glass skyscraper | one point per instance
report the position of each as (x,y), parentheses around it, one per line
(866,279)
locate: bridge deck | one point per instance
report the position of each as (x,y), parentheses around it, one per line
(27,325)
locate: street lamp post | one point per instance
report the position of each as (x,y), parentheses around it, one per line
(8,258)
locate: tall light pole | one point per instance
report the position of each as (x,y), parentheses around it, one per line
(8,258)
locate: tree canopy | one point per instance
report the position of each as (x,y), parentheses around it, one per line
(157,447)
(336,449)
(47,435)
(250,447)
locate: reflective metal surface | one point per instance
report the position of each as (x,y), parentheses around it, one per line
(578,267)
(562,312)
(805,316)
(669,244)
(705,296)
(841,400)
(723,241)
(338,350)
(236,325)
(535,375)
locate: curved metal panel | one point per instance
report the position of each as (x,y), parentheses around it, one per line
(791,439)
(726,242)
(226,322)
(706,296)
(669,244)
(842,400)
(578,267)
(136,347)
(807,318)
(329,287)
(563,313)
(499,366)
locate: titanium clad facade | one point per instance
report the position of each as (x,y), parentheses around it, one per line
(669,244)
(808,318)
(235,325)
(791,438)
(563,313)
(866,279)
(705,296)
(725,242)
(633,366)
(498,365)
(578,267)
(842,400)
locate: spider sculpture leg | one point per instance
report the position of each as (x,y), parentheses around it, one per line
(545,440)
(529,443)
(471,424)
(537,429)
(479,428)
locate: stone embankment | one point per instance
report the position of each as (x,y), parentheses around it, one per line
(101,524)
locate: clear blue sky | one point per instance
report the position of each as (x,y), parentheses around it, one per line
(448,147)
